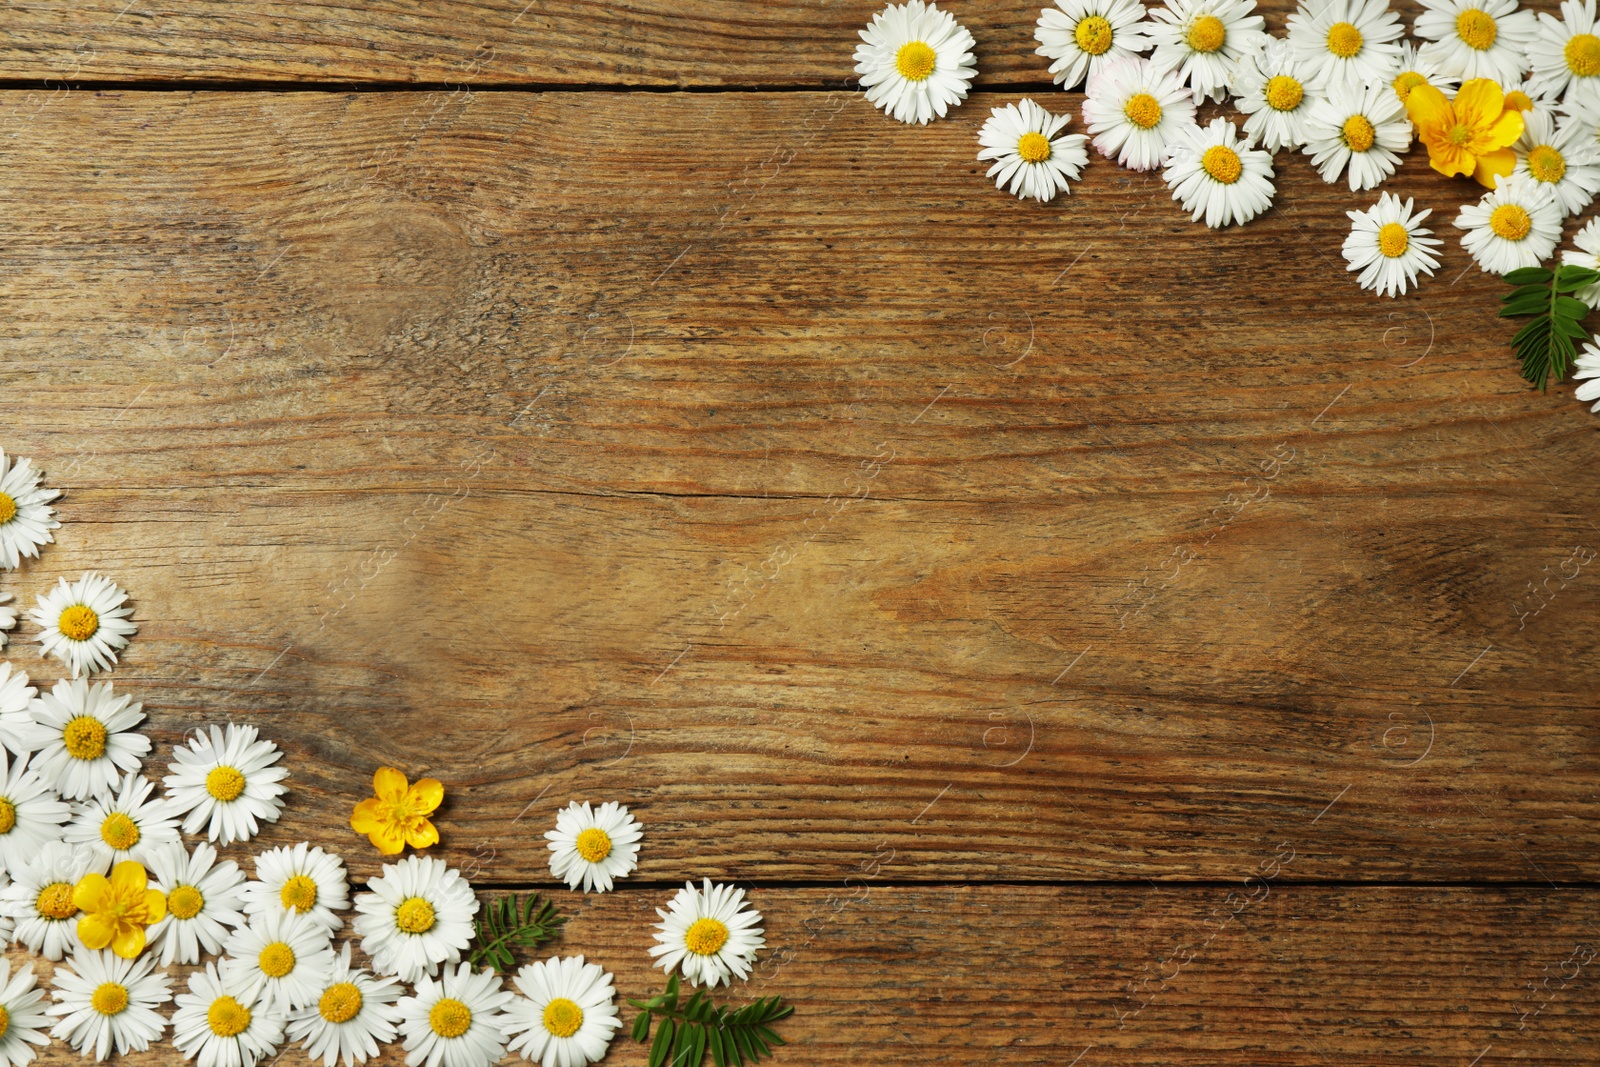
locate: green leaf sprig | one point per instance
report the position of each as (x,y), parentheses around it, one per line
(1547,344)
(734,1037)
(509,923)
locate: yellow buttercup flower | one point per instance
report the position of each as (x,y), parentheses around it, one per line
(1472,134)
(116,910)
(398,815)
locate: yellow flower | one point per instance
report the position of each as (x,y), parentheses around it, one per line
(117,909)
(398,816)
(1473,135)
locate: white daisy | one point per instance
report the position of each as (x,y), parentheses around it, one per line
(456,1021)
(567,1013)
(1586,254)
(107,1002)
(915,61)
(1273,90)
(84,737)
(1586,369)
(417,915)
(39,898)
(7,923)
(1565,53)
(30,813)
(15,695)
(1413,70)
(26,518)
(125,826)
(84,624)
(8,617)
(1215,173)
(1563,157)
(1389,245)
(708,934)
(1346,41)
(227,783)
(281,957)
(218,1024)
(23,1014)
(593,847)
(1133,111)
(1363,130)
(1476,38)
(203,898)
(1081,36)
(1021,139)
(1515,225)
(1203,41)
(300,879)
(354,1014)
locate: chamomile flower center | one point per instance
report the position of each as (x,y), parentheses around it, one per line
(1407,81)
(1476,28)
(119,831)
(562,1017)
(1206,34)
(276,960)
(706,937)
(109,998)
(299,893)
(594,844)
(1032,148)
(225,783)
(1344,40)
(1511,222)
(1546,164)
(340,1002)
(1284,93)
(227,1017)
(414,916)
(1143,110)
(1583,59)
(5,1021)
(1222,163)
(55,901)
(915,61)
(78,623)
(185,902)
(8,507)
(1393,240)
(8,815)
(1517,100)
(450,1018)
(85,738)
(1093,34)
(1358,133)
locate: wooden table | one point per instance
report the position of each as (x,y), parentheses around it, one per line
(1096,639)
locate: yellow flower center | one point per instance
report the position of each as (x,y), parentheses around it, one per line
(109,998)
(185,902)
(1393,240)
(1476,28)
(1459,134)
(414,916)
(1407,81)
(1344,40)
(85,738)
(1358,133)
(562,1017)
(5,1021)
(1511,222)
(1093,35)
(55,901)
(1222,163)
(225,783)
(8,815)
(299,893)
(915,61)
(340,1002)
(1284,93)
(594,844)
(1143,110)
(450,1018)
(1033,148)
(1206,33)
(78,623)
(1546,164)
(119,831)
(227,1017)
(276,960)
(8,507)
(1583,57)
(1517,100)
(706,937)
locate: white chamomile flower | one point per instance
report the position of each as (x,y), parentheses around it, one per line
(457,1020)
(1476,38)
(566,1015)
(15,696)
(1204,40)
(39,898)
(1272,89)
(1346,41)
(1215,174)
(108,1003)
(1081,36)
(1029,157)
(1133,111)
(1565,54)
(30,813)
(126,825)
(915,61)
(26,517)
(218,1024)
(1586,254)
(203,898)
(299,879)
(226,783)
(593,847)
(1413,69)
(352,1017)
(1586,369)
(7,923)
(83,736)
(23,1012)
(708,934)
(1563,157)
(417,915)
(84,624)
(8,617)
(281,957)
(1389,245)
(1516,225)
(1359,130)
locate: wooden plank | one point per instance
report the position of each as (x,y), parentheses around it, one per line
(783,501)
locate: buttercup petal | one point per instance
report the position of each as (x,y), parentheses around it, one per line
(1479,102)
(91,891)
(422,835)
(364,819)
(1496,164)
(426,796)
(129,942)
(389,783)
(95,932)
